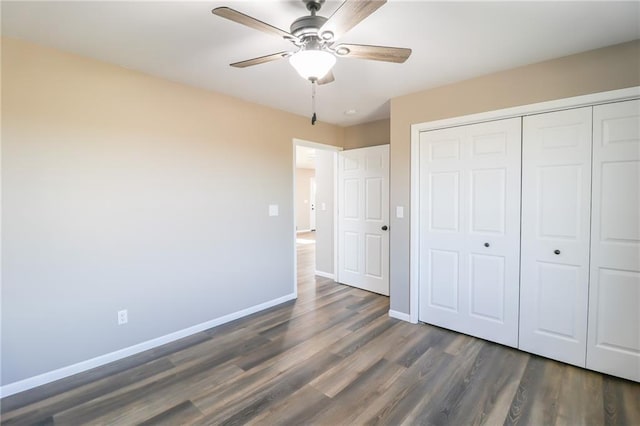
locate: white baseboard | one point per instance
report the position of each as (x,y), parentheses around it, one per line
(400,315)
(326,275)
(41,379)
(300,231)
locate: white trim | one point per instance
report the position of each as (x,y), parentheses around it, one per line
(519,111)
(294,225)
(325,275)
(301,231)
(41,379)
(414,246)
(335,217)
(401,316)
(316,145)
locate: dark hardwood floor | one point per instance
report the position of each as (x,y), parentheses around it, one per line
(332,357)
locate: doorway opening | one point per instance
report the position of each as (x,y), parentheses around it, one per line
(315,210)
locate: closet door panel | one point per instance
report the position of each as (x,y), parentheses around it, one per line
(555,286)
(469,216)
(492,221)
(559,195)
(444,280)
(619,218)
(488,198)
(442,266)
(556,181)
(487,287)
(614,298)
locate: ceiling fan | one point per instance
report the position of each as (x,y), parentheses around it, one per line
(315,36)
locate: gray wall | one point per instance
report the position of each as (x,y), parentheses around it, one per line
(599,70)
(324,217)
(123,191)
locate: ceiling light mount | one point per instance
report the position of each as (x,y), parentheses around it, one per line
(313,6)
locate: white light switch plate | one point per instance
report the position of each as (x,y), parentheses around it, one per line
(399,212)
(273,210)
(323,206)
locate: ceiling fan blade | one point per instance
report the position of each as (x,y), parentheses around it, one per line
(329,78)
(241,18)
(376,53)
(261,60)
(349,14)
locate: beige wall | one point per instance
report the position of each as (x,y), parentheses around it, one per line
(367,134)
(303,198)
(120,189)
(125,191)
(599,70)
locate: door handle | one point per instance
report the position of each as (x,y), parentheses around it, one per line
(556,251)
(486,244)
(384,228)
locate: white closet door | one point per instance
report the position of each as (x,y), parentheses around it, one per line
(470,228)
(614,297)
(556,187)
(442,228)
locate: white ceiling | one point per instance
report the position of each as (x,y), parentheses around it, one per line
(451,41)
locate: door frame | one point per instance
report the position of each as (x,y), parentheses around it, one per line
(335,149)
(519,111)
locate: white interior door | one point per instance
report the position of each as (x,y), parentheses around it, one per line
(312,203)
(614,296)
(363,218)
(470,229)
(556,183)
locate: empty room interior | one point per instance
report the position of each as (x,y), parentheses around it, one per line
(320,212)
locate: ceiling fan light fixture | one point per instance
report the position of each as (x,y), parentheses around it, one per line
(312,64)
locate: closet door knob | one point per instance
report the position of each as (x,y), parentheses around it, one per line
(385,227)
(556,251)
(486,244)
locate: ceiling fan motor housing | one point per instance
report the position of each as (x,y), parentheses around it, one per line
(307,25)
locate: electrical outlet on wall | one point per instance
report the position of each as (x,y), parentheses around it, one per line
(123,317)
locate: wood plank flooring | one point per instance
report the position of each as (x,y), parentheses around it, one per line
(332,357)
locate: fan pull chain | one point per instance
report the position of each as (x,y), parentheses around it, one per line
(313,103)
